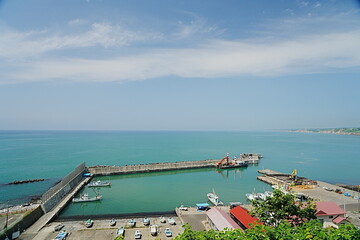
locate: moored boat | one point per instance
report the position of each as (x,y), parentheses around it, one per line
(268,194)
(261,196)
(99,184)
(250,196)
(153,230)
(85,198)
(214,199)
(89,223)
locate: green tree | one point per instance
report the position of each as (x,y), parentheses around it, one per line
(282,207)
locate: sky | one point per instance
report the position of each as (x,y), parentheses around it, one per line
(235,65)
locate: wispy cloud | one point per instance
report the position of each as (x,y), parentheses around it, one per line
(15,44)
(307,54)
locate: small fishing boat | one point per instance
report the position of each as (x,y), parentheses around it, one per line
(61,235)
(85,198)
(120,231)
(182,208)
(162,219)
(89,223)
(99,184)
(268,194)
(113,222)
(153,230)
(168,232)
(132,223)
(146,221)
(58,227)
(250,196)
(261,196)
(171,221)
(214,199)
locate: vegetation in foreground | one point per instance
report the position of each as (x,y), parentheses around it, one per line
(284,219)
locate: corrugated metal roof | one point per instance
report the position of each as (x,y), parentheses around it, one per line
(328,209)
(244,217)
(221,220)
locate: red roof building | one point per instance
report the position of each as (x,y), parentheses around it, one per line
(329,212)
(243,218)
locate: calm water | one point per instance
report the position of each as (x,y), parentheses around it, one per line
(51,155)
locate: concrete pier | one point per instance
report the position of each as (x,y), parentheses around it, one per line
(151,167)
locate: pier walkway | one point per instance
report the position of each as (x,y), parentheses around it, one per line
(34,231)
(151,167)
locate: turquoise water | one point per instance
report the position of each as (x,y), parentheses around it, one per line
(52,155)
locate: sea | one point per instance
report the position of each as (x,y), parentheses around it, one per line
(53,154)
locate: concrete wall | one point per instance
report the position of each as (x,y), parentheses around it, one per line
(151,167)
(52,197)
(26,221)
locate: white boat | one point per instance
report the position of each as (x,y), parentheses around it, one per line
(269,194)
(182,208)
(171,221)
(113,222)
(132,223)
(120,231)
(146,221)
(85,198)
(162,219)
(214,199)
(61,235)
(99,184)
(250,196)
(153,230)
(261,196)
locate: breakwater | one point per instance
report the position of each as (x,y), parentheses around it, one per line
(150,167)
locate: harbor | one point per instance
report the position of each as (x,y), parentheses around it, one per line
(108,178)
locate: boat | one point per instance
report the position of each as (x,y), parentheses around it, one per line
(132,223)
(250,196)
(268,194)
(120,231)
(171,221)
(99,184)
(137,234)
(153,230)
(113,222)
(261,196)
(146,221)
(214,199)
(85,198)
(182,208)
(162,219)
(89,223)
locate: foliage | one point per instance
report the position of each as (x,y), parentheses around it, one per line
(282,207)
(309,230)
(119,238)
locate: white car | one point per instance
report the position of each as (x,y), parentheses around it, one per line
(168,232)
(137,234)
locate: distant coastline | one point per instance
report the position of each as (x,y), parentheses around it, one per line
(339,131)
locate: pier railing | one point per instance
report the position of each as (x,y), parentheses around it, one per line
(63,187)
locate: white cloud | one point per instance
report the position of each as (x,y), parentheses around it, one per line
(307,54)
(14,44)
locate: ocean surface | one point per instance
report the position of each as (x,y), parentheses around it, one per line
(53,154)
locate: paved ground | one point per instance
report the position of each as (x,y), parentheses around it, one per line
(102,230)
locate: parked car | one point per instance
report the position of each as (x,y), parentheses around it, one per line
(168,232)
(61,235)
(137,234)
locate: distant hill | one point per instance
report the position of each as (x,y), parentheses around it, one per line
(341,131)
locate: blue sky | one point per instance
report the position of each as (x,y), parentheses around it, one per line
(179,65)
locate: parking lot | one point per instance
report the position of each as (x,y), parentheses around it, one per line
(101,230)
